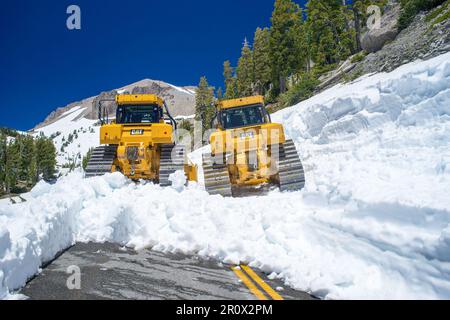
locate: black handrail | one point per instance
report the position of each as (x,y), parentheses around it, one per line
(268,114)
(174,123)
(101,111)
(214,118)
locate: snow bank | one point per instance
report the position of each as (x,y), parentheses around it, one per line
(372,222)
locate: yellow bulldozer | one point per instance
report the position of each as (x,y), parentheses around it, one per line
(248,150)
(139,143)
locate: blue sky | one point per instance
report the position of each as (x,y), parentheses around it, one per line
(44,65)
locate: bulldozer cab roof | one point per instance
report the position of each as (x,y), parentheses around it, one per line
(241,102)
(139,99)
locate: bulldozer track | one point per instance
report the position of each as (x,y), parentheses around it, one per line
(172,160)
(217,179)
(290,168)
(101,161)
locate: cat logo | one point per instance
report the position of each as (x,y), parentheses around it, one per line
(137,132)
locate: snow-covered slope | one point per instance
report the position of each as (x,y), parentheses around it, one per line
(372,222)
(72,136)
(79,120)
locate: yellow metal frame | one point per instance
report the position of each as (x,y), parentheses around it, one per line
(120,134)
(258,140)
(241,102)
(139,99)
(146,138)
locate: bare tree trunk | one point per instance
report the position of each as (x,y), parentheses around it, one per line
(282,84)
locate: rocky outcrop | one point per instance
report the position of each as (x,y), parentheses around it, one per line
(373,40)
(180,100)
(424,38)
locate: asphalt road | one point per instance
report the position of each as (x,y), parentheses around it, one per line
(108,271)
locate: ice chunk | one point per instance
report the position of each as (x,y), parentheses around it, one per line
(178,180)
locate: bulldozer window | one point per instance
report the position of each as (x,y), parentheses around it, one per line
(242,117)
(138,114)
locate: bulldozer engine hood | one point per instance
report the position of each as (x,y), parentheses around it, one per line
(247,139)
(155,133)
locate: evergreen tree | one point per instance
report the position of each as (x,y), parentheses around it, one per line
(204,104)
(287,20)
(45,158)
(332,38)
(3,147)
(230,81)
(261,60)
(27,166)
(410,8)
(86,159)
(245,71)
(23,160)
(9,132)
(359,8)
(12,166)
(186,125)
(219,93)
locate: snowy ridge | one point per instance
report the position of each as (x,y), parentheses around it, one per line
(84,134)
(80,119)
(373,221)
(187,91)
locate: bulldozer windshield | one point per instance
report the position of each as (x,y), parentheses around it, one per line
(138,114)
(242,116)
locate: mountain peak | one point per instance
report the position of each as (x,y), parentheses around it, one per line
(180,100)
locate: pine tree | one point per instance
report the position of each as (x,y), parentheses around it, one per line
(204,100)
(245,71)
(230,81)
(12,166)
(332,37)
(284,54)
(86,159)
(27,166)
(3,147)
(359,10)
(410,8)
(261,60)
(219,93)
(186,125)
(45,158)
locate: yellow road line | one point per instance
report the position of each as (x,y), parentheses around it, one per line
(262,284)
(250,285)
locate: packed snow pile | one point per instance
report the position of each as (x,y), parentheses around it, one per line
(372,222)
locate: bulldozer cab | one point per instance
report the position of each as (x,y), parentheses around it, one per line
(241,113)
(140,142)
(139,114)
(249,151)
(135,109)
